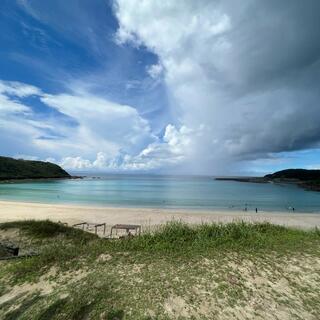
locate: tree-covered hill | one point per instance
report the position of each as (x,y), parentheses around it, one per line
(25,169)
(308,179)
(298,174)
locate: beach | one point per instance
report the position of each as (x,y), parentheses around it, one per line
(238,271)
(71,214)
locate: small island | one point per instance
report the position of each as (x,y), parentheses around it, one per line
(308,179)
(18,169)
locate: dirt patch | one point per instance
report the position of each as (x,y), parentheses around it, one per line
(46,284)
(176,306)
(44,287)
(104,257)
(10,234)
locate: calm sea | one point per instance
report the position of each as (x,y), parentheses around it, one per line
(164,192)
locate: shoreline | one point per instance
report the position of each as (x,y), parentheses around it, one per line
(190,209)
(147,217)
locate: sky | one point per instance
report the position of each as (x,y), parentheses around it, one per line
(145,86)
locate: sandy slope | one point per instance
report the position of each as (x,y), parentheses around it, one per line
(145,216)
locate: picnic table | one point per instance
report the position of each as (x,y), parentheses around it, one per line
(127,227)
(89,226)
(96,226)
(83,224)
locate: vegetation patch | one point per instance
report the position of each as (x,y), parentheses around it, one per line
(220,271)
(47,229)
(28,169)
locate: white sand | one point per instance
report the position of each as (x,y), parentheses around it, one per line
(10,211)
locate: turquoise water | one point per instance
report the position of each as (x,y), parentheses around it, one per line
(164,192)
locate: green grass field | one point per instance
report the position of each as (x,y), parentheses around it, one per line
(210,271)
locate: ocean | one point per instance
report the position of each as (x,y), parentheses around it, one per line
(199,193)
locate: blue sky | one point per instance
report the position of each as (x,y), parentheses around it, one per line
(146,86)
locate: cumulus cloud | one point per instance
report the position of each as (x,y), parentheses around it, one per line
(166,153)
(101,124)
(247,73)
(155,70)
(96,124)
(97,135)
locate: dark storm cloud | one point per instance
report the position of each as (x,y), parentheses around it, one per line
(275,41)
(246,72)
(277,52)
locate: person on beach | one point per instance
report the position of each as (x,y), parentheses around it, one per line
(256,210)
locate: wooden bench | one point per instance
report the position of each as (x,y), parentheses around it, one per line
(88,226)
(83,224)
(127,227)
(96,226)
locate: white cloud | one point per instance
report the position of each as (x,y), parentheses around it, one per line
(101,124)
(18,89)
(120,138)
(16,129)
(233,75)
(97,124)
(167,153)
(75,163)
(155,70)
(171,151)
(10,91)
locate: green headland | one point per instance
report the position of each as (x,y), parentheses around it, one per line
(16,169)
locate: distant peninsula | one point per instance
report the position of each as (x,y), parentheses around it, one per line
(17,169)
(308,179)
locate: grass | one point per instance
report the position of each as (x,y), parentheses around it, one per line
(177,236)
(46,229)
(25,305)
(72,246)
(177,271)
